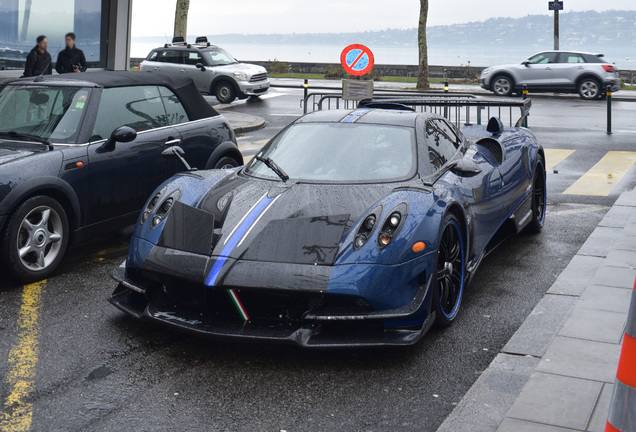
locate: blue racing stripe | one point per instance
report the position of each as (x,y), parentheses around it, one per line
(355,115)
(236,237)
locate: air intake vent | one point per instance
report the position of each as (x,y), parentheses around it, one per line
(491,150)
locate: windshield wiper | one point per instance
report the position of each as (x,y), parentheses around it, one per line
(18,135)
(274,167)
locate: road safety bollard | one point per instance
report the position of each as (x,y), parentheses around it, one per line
(446,87)
(524,123)
(622,413)
(609,110)
(305,91)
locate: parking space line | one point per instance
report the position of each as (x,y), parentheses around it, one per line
(605,175)
(18,411)
(555,156)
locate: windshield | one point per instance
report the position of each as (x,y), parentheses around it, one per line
(218,57)
(53,113)
(339,153)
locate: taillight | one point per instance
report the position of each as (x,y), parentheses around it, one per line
(608,68)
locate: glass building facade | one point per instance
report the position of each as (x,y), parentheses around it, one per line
(22,21)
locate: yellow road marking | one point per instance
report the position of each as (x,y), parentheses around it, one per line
(605,175)
(555,156)
(18,411)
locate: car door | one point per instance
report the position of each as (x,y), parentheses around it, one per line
(537,71)
(121,178)
(200,77)
(199,139)
(166,61)
(567,69)
(481,191)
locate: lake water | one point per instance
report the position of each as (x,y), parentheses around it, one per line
(407,55)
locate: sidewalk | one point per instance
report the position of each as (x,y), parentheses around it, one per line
(557,372)
(243,123)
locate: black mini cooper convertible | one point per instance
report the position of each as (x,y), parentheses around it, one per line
(80,153)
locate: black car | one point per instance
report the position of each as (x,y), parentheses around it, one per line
(80,154)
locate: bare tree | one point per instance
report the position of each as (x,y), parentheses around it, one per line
(181,18)
(422,76)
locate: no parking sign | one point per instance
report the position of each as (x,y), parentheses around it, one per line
(357,60)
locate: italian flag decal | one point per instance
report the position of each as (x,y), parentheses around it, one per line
(239,306)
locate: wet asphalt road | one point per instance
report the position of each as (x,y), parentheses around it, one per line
(98,370)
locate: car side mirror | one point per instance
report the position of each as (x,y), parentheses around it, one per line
(465,167)
(122,134)
(176,152)
(526,63)
(200,66)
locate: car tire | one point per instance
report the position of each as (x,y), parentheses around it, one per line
(502,85)
(35,239)
(448,279)
(589,89)
(225,163)
(225,92)
(539,195)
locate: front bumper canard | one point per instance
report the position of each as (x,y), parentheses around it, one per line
(321,328)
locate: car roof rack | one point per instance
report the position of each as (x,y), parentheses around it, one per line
(179,41)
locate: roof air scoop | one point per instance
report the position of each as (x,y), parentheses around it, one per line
(495,126)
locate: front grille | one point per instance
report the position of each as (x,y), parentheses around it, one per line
(260,90)
(258,77)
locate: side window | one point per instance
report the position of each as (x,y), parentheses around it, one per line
(152,56)
(169,57)
(139,107)
(543,58)
(442,142)
(176,113)
(571,58)
(192,58)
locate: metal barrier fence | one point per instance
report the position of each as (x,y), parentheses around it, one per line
(457,108)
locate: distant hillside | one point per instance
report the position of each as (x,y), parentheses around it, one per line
(578,29)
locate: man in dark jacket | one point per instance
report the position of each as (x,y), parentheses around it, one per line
(71,59)
(39,61)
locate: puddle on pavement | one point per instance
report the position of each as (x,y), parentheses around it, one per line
(100,372)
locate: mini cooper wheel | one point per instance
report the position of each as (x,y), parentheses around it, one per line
(589,89)
(502,86)
(449,276)
(224,92)
(539,194)
(35,239)
(225,163)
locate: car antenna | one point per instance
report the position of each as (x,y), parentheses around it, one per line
(40,77)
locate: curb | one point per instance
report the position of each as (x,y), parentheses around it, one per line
(249,128)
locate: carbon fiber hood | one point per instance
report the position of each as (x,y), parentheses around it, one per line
(285,222)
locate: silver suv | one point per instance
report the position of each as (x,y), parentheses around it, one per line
(212,69)
(555,71)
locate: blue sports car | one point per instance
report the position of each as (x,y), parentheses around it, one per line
(349,228)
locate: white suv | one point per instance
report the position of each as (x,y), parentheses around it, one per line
(555,71)
(212,69)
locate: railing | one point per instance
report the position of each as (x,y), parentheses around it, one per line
(457,108)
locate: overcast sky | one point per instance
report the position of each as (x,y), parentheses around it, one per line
(156,17)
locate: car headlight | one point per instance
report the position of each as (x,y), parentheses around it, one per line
(366,228)
(241,76)
(485,72)
(159,206)
(392,225)
(152,204)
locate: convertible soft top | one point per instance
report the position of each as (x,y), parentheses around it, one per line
(196,106)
